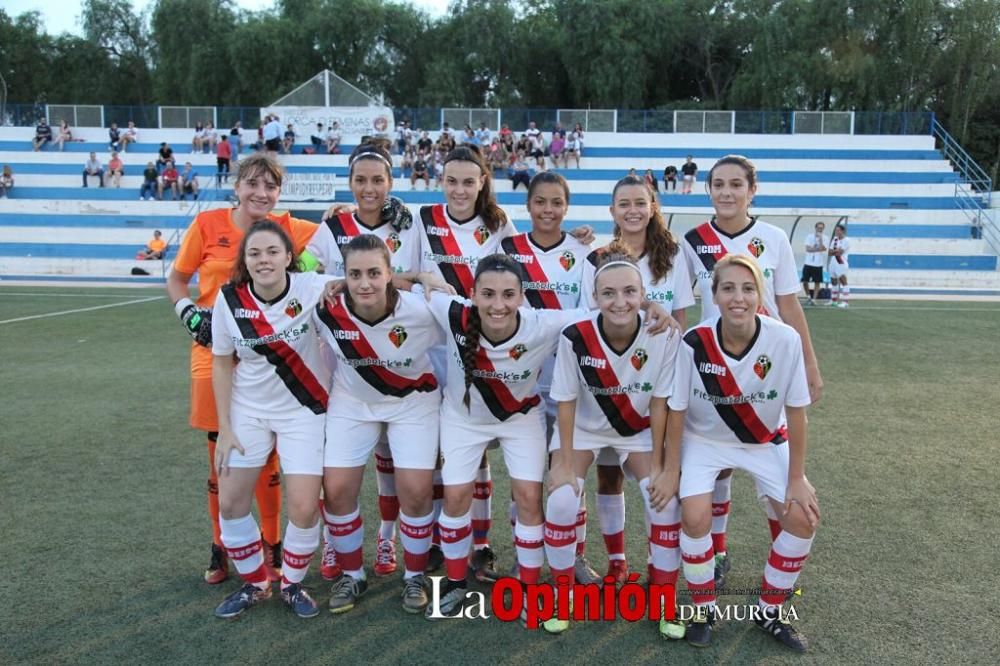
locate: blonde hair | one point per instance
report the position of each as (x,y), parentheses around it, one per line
(746,262)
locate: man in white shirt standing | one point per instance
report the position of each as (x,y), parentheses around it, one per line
(272,134)
(812,270)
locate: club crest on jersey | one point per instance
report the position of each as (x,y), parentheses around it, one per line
(517,351)
(482,234)
(294,308)
(567,260)
(639,358)
(397,335)
(762,366)
(223,241)
(393,242)
(756,247)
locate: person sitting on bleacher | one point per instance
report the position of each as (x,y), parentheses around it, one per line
(333,139)
(318,139)
(130,135)
(154,248)
(236,138)
(114,137)
(65,134)
(198,140)
(43,134)
(150,180)
(169,181)
(189,182)
(6,181)
(288,142)
(116,169)
(166,155)
(211,137)
(93,168)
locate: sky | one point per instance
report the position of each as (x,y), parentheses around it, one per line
(62,17)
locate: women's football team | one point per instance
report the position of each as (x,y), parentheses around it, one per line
(558,355)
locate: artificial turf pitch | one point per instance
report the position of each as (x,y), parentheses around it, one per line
(105,534)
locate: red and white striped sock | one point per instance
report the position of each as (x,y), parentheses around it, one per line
(721,496)
(528,541)
(699,568)
(664,539)
(482,508)
(560,532)
(388,502)
(773,524)
(456,539)
(241,539)
(788,554)
(835,293)
(581,524)
(845,293)
(298,546)
(348,538)
(415,533)
(611,515)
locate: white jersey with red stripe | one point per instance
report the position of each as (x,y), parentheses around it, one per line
(384,360)
(505,379)
(280,368)
(452,248)
(673,292)
(739,400)
(612,389)
(841,260)
(404,246)
(706,244)
(554,273)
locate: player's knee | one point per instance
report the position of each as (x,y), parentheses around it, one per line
(529,502)
(610,480)
(696,519)
(796,522)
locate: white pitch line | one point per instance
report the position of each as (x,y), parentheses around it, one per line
(866,308)
(96,307)
(48,295)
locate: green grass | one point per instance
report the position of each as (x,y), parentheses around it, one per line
(105,534)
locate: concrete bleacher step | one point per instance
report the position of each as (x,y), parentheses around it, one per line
(942,282)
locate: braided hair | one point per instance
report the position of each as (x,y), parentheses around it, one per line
(497,263)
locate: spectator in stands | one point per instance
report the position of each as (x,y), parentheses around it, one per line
(169,181)
(439,158)
(484,135)
(556,146)
(223,159)
(318,140)
(523,145)
(670,178)
(425,143)
(812,268)
(6,181)
(154,248)
(571,149)
(116,169)
(496,156)
(578,131)
(404,137)
(446,140)
(189,182)
(93,168)
(333,139)
(130,135)
(235,139)
(272,133)
(198,141)
(520,171)
(538,150)
(150,182)
(506,132)
(690,173)
(560,131)
(651,181)
(165,155)
(288,142)
(420,171)
(446,129)
(211,137)
(409,156)
(114,137)
(65,134)
(632,174)
(507,141)
(469,137)
(43,134)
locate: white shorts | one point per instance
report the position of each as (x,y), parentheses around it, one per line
(837,270)
(299,440)
(411,426)
(521,438)
(606,456)
(766,463)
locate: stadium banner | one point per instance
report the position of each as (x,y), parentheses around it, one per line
(308,186)
(354,120)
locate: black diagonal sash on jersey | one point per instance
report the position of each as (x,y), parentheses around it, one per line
(344,229)
(287,363)
(740,417)
(496,395)
(704,235)
(617,407)
(458,275)
(381,379)
(540,299)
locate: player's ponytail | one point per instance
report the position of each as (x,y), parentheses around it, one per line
(486,202)
(240,274)
(372,243)
(661,246)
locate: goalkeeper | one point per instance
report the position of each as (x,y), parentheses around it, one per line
(209,249)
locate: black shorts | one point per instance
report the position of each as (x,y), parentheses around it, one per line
(273,144)
(537,153)
(812,274)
